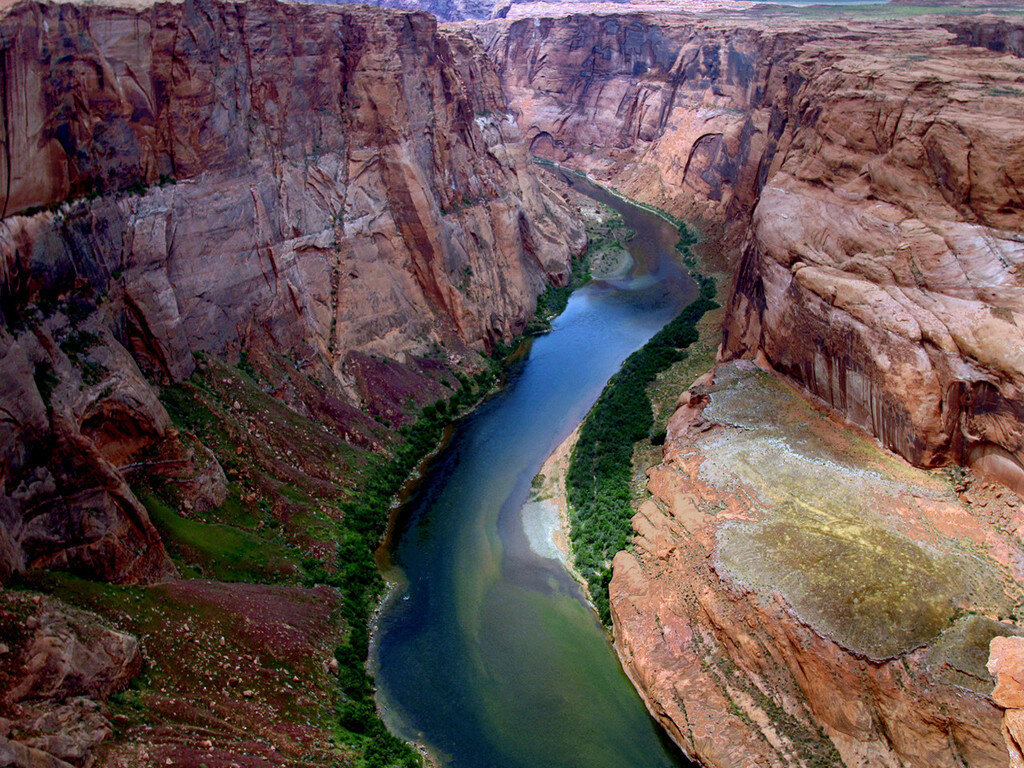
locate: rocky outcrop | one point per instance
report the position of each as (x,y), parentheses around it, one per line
(872,174)
(335,185)
(798,597)
(888,241)
(58,666)
(444,10)
(995,34)
(1006,665)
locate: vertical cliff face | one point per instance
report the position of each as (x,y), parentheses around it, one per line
(870,173)
(671,110)
(338,185)
(887,239)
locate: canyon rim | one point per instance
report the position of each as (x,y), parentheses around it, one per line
(255,255)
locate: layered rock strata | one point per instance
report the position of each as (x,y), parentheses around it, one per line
(798,597)
(337,186)
(872,173)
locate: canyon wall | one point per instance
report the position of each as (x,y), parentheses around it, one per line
(444,10)
(668,109)
(335,192)
(870,175)
(796,596)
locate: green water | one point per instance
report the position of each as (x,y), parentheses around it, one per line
(486,651)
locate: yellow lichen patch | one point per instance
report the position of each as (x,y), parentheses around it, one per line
(872,590)
(843,530)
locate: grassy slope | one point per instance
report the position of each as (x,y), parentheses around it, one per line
(289,555)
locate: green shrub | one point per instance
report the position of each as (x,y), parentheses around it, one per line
(356,576)
(598,486)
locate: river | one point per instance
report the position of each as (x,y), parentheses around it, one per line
(486,649)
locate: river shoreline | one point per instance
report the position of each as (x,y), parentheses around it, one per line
(490,610)
(549,487)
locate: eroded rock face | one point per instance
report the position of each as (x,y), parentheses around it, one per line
(1006,664)
(796,596)
(671,110)
(58,666)
(872,174)
(445,10)
(318,182)
(799,597)
(894,256)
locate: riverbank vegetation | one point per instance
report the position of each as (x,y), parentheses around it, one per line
(356,524)
(605,257)
(358,579)
(598,484)
(278,578)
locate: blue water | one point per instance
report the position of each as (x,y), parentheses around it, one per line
(487,651)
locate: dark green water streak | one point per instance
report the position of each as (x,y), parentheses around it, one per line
(487,651)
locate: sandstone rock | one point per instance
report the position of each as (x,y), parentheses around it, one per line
(69,653)
(1006,664)
(869,173)
(795,595)
(62,665)
(363,194)
(15,755)
(68,731)
(66,504)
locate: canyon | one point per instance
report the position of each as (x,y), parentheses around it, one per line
(869,175)
(373,203)
(245,245)
(791,597)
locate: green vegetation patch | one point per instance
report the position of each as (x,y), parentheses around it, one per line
(874,591)
(600,470)
(219,551)
(356,575)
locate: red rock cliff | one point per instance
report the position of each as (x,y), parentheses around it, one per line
(794,596)
(874,172)
(338,184)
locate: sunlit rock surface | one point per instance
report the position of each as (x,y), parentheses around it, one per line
(798,596)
